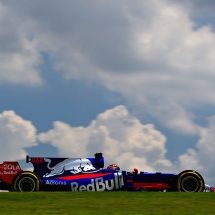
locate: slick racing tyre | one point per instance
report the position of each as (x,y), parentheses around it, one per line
(26,182)
(190,181)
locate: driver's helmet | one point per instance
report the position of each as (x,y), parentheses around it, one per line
(113,167)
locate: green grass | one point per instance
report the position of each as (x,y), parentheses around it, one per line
(43,203)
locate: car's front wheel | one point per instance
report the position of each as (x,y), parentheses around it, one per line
(190,182)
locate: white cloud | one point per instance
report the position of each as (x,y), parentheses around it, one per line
(163,56)
(69,141)
(16,134)
(120,136)
(19,56)
(149,52)
(175,117)
(202,159)
(124,140)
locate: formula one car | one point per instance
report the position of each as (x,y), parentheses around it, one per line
(89,174)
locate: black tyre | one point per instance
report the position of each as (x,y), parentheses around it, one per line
(26,182)
(190,182)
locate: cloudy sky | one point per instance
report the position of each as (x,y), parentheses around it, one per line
(132,79)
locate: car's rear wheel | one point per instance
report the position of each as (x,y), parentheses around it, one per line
(26,184)
(190,182)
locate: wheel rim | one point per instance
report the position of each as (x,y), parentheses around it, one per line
(190,184)
(26,184)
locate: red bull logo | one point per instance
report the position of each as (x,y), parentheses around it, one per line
(99,184)
(73,165)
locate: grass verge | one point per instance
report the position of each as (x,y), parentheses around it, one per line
(43,203)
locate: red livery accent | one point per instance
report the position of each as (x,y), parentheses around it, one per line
(83,176)
(8,170)
(37,160)
(151,185)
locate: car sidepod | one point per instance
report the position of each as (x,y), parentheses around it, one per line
(101,180)
(151,181)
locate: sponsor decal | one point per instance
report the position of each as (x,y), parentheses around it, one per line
(99,184)
(11,169)
(54,182)
(36,160)
(74,166)
(10,172)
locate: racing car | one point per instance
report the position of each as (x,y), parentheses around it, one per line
(89,174)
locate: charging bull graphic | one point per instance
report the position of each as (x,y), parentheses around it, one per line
(74,166)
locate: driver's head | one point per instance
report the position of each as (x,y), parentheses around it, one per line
(113,166)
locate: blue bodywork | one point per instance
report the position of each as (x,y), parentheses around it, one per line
(88,174)
(76,174)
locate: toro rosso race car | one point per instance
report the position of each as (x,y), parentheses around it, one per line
(89,174)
